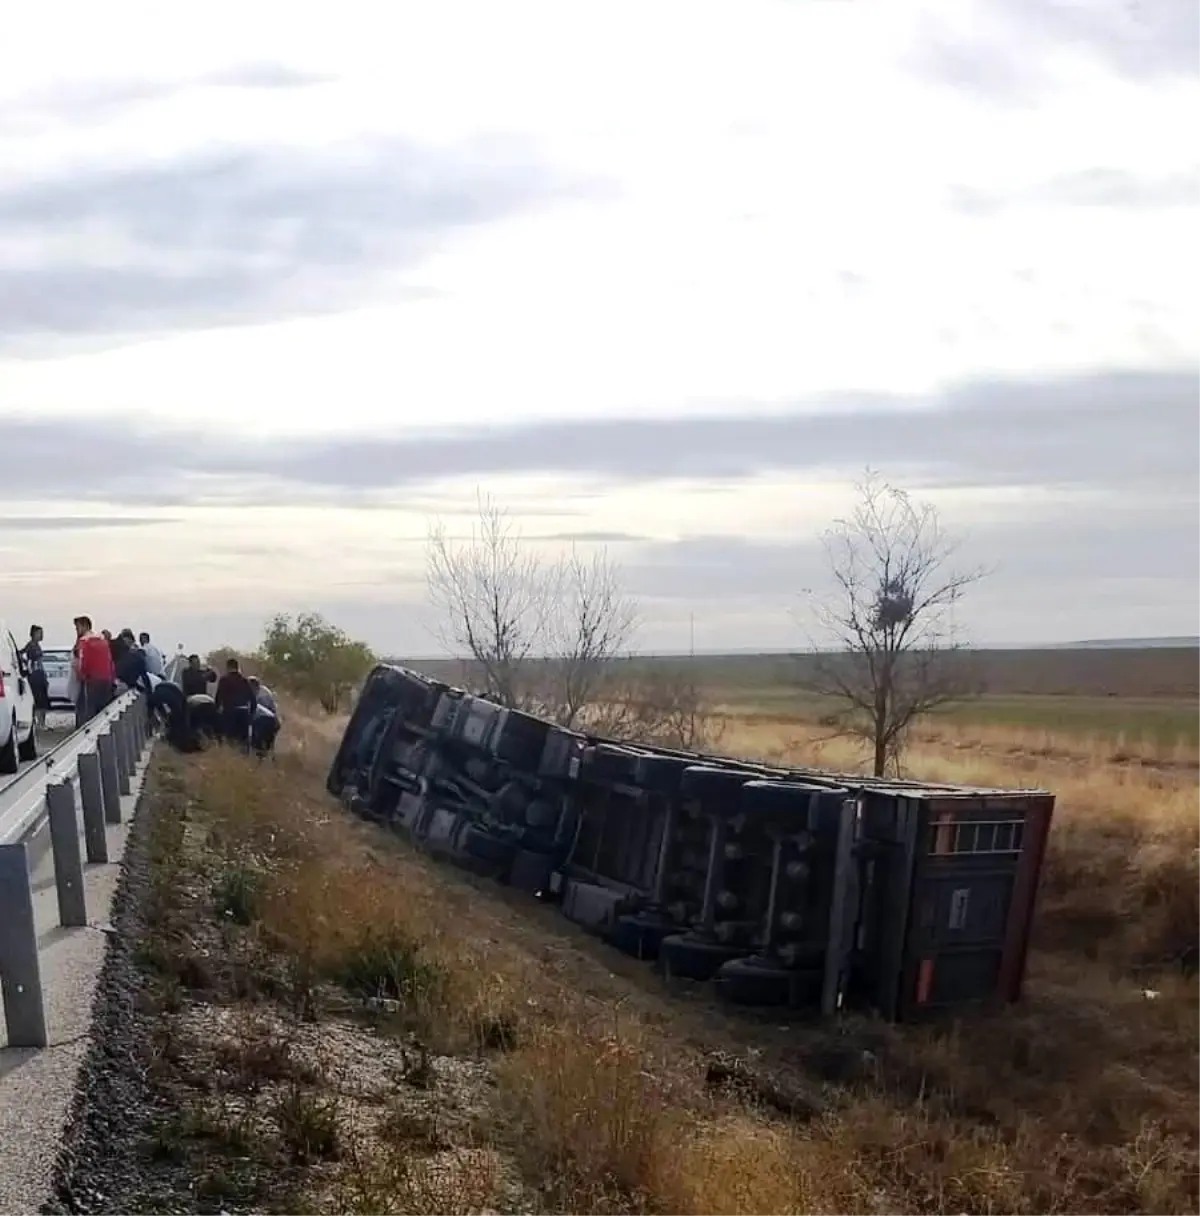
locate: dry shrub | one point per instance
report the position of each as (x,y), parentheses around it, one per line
(737,1164)
(453,1182)
(1161,905)
(590,1108)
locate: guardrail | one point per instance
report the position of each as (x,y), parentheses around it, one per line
(90,772)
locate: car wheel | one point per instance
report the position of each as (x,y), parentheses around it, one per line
(29,749)
(8,752)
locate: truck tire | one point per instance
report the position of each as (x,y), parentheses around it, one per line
(714,785)
(759,981)
(482,845)
(686,956)
(639,936)
(607,764)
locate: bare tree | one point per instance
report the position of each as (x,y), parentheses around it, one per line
(658,703)
(891,619)
(492,597)
(591,621)
(542,632)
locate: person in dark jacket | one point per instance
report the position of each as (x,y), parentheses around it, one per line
(39,685)
(131,669)
(196,678)
(169,705)
(235,704)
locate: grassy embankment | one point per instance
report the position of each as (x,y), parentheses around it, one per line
(515,1064)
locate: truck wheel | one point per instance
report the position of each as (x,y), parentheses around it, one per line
(480,844)
(530,872)
(686,956)
(759,981)
(715,784)
(639,936)
(660,774)
(610,765)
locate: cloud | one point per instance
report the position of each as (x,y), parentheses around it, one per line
(91,101)
(1111,432)
(598,537)
(698,568)
(1099,187)
(1142,39)
(76,523)
(1113,567)
(1009,51)
(229,236)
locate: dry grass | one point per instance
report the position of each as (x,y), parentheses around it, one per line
(542,1071)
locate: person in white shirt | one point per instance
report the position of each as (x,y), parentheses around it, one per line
(264,696)
(155,664)
(265,724)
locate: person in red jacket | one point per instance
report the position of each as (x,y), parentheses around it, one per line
(94,671)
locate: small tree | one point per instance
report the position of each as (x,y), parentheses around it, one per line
(218,658)
(542,633)
(890,616)
(314,658)
(661,704)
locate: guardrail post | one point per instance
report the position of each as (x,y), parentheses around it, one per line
(91,795)
(120,738)
(133,729)
(135,734)
(110,781)
(20,972)
(129,734)
(141,725)
(68,864)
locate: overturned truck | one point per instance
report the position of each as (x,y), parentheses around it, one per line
(787,887)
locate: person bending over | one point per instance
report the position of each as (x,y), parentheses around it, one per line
(266,722)
(169,706)
(132,670)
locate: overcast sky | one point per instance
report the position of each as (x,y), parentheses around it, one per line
(279,285)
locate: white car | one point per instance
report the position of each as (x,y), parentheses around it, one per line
(57,663)
(18,734)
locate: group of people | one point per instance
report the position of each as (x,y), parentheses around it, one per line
(242,710)
(100,665)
